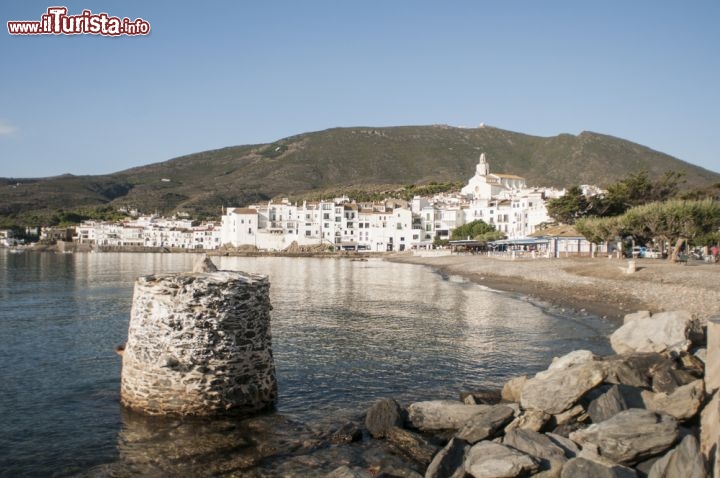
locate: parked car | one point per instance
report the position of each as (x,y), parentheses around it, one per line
(652,254)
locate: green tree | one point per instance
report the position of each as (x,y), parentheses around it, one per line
(667,221)
(635,190)
(570,207)
(473,230)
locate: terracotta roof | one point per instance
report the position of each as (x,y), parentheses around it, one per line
(244,210)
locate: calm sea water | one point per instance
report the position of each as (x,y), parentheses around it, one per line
(344,334)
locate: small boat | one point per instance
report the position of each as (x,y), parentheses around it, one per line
(16,250)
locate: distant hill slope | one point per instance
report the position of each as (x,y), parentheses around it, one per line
(334,159)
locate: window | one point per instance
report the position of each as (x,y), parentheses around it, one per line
(249,230)
(307,233)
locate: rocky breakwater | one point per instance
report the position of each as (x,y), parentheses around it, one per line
(199,344)
(651,410)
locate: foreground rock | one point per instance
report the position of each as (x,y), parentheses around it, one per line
(585,416)
(684,461)
(492,460)
(449,462)
(382,416)
(550,455)
(630,436)
(657,333)
(681,404)
(442,414)
(582,467)
(484,424)
(557,390)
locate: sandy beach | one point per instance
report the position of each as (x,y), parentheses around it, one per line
(596,285)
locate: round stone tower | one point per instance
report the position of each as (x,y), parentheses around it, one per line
(199,343)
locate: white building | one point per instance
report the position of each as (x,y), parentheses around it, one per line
(150,231)
(341,223)
(504,201)
(485,185)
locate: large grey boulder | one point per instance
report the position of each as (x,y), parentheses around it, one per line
(483,425)
(712,355)
(710,434)
(630,436)
(557,390)
(666,377)
(412,445)
(568,446)
(492,460)
(448,462)
(551,456)
(682,404)
(684,461)
(639,315)
(512,389)
(607,405)
(659,333)
(582,467)
(569,360)
(382,416)
(529,420)
(442,414)
(627,370)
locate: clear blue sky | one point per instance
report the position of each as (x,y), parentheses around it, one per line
(215,74)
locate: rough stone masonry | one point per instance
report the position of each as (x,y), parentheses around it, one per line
(199,343)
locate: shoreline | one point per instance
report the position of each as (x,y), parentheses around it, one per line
(595,286)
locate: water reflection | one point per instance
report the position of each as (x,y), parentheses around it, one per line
(344,334)
(154,446)
(347,332)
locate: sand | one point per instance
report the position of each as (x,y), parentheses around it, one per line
(595,285)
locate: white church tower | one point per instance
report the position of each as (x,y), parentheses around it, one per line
(482,168)
(485,186)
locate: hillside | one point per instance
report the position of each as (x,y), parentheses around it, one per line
(343,158)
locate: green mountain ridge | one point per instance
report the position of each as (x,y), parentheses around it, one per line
(368,158)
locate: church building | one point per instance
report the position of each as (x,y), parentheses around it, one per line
(486,185)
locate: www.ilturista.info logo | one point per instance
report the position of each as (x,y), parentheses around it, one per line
(57,22)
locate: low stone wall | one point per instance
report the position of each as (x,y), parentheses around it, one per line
(199,344)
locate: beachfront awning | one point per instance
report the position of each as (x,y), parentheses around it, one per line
(520,242)
(467,243)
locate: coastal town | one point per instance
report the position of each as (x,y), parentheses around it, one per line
(504,201)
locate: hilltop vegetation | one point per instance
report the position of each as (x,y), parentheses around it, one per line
(363,161)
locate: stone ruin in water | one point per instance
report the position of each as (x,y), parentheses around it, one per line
(199,344)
